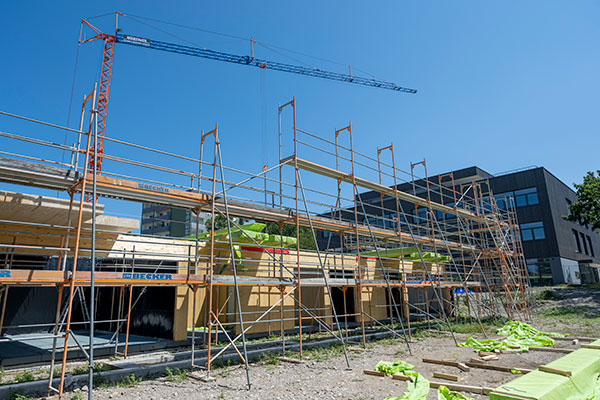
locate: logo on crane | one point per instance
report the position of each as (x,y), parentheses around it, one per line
(4,274)
(136,39)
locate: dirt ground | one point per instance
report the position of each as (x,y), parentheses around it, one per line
(324,375)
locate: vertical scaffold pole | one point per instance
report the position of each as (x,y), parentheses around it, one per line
(298,272)
(355,193)
(312,230)
(93,266)
(82,183)
(231,249)
(209,286)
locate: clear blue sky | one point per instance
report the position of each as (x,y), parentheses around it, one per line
(502,85)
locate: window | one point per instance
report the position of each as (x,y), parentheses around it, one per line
(532,231)
(540,272)
(577,243)
(326,234)
(526,197)
(504,200)
(390,220)
(590,246)
(585,248)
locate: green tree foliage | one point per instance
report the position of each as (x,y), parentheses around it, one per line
(586,210)
(306,239)
(220,223)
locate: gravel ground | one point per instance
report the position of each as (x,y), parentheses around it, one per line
(323,375)
(329,379)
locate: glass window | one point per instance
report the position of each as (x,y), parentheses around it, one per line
(527,234)
(576,238)
(526,197)
(590,246)
(540,272)
(585,248)
(533,231)
(503,200)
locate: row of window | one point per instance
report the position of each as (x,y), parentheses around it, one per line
(540,271)
(583,242)
(518,198)
(532,231)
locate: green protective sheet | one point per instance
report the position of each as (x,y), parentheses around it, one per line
(584,365)
(446,394)
(417,389)
(519,335)
(409,254)
(394,367)
(249,234)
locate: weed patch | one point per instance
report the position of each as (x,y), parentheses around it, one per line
(176,375)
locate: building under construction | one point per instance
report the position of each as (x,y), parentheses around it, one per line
(69,267)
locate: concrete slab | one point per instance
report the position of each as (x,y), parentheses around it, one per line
(54,211)
(32,348)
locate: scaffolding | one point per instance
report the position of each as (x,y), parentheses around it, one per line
(367,255)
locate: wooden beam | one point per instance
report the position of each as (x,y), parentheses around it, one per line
(552,350)
(400,377)
(443,375)
(374,373)
(497,367)
(456,364)
(551,370)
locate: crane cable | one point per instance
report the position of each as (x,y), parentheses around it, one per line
(270,47)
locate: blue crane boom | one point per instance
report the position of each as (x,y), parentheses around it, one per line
(257,62)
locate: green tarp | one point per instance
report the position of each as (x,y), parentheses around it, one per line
(584,365)
(249,234)
(519,335)
(409,254)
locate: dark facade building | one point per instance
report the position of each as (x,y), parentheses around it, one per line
(161,220)
(556,251)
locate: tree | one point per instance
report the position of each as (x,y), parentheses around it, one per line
(306,239)
(220,223)
(586,210)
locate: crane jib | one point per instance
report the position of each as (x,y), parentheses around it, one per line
(264,64)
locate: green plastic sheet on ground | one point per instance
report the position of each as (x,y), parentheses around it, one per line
(446,394)
(584,365)
(417,389)
(595,394)
(395,367)
(519,336)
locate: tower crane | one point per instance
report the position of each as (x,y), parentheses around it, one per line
(119,37)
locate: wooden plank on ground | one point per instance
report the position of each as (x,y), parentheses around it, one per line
(452,363)
(551,370)
(400,377)
(580,338)
(552,350)
(463,367)
(590,346)
(443,375)
(497,367)
(374,373)
(458,387)
(490,357)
